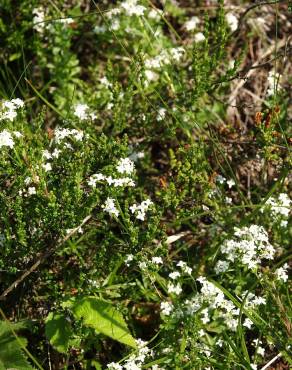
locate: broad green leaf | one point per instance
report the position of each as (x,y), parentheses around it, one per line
(103,318)
(11,354)
(58,331)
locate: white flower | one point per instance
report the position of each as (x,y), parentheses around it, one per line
(205,316)
(232,21)
(114,26)
(230,183)
(174,275)
(27,180)
(9,109)
(81,111)
(282,273)
(176,53)
(39,19)
(157,260)
(221,266)
(110,207)
(114,366)
(62,133)
(247,323)
(175,289)
(66,20)
(142,265)
(150,75)
(228,200)
(250,246)
(192,23)
(125,165)
(260,351)
(166,308)
(56,153)
(132,8)
(47,167)
(219,343)
(17,134)
(137,155)
(220,179)
(141,209)
(6,139)
(279,207)
(18,103)
(185,268)
(253,366)
(251,300)
(161,114)
(199,37)
(274,82)
(155,13)
(105,82)
(47,154)
(128,259)
(31,190)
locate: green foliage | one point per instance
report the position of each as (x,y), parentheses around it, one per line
(58,331)
(11,347)
(138,122)
(92,312)
(104,318)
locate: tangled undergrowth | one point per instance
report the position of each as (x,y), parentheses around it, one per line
(145,184)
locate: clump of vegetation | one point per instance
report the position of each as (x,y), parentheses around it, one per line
(145,185)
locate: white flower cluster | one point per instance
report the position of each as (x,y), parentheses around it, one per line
(252,301)
(279,207)
(192,23)
(39,19)
(6,138)
(274,82)
(166,308)
(157,260)
(184,267)
(110,207)
(50,155)
(141,209)
(40,24)
(131,7)
(129,258)
(199,37)
(232,21)
(31,190)
(63,133)
(174,288)
(9,109)
(166,57)
(215,300)
(221,266)
(135,361)
(124,181)
(282,273)
(259,350)
(127,7)
(125,165)
(250,246)
(81,111)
